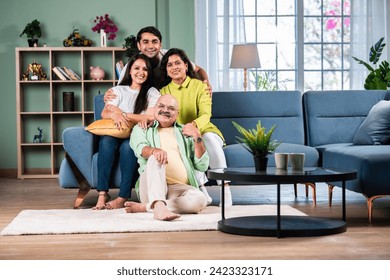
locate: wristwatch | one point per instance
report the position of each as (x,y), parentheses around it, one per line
(198,140)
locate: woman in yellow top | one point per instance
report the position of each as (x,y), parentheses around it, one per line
(194,109)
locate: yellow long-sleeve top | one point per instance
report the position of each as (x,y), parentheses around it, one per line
(194,104)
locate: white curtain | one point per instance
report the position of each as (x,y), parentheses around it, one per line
(368,24)
(214,43)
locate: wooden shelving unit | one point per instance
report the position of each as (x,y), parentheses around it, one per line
(39,103)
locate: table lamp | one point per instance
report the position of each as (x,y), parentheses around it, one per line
(245,56)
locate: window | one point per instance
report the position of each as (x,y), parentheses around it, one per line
(326,44)
(302,44)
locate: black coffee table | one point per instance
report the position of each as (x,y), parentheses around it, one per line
(278,225)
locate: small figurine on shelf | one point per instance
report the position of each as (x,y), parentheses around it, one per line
(34,72)
(76,40)
(38,137)
(96,73)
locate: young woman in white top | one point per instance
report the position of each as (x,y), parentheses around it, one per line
(134,102)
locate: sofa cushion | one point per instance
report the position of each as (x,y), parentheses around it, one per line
(372,163)
(280,108)
(322,148)
(375,129)
(108,127)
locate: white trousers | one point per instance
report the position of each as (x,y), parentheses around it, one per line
(179,198)
(213,144)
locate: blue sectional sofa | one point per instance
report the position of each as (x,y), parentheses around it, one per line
(333,120)
(323,125)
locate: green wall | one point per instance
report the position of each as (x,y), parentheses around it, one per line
(174,18)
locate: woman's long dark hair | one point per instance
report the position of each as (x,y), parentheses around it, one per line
(141,102)
(163,68)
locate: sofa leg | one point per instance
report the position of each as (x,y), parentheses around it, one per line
(313,187)
(370,203)
(83,191)
(307,185)
(84,186)
(330,194)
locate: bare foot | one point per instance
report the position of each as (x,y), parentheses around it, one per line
(161,212)
(118,202)
(135,207)
(102,199)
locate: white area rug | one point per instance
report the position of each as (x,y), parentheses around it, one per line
(67,221)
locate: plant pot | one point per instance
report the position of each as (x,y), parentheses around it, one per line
(31,42)
(260,163)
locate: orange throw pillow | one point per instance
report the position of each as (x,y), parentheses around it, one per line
(107,127)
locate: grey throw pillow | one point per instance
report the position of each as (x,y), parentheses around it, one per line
(375,129)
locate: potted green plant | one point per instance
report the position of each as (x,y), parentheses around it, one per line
(258,142)
(130,44)
(33,32)
(379,76)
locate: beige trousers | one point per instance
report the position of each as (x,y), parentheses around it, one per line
(179,198)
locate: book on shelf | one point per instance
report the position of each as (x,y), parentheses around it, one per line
(59,74)
(63,73)
(72,73)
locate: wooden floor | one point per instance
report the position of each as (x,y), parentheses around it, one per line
(362,241)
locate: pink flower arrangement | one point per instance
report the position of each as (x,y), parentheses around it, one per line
(105,23)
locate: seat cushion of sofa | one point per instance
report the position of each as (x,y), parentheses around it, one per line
(372,163)
(238,156)
(322,148)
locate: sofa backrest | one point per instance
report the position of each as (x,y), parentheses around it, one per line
(282,108)
(335,116)
(98,105)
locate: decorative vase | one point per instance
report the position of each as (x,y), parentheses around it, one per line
(261,163)
(68,101)
(103,38)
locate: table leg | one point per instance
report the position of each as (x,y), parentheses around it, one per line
(278,212)
(223,199)
(343,204)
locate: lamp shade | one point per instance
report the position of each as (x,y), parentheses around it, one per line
(245,56)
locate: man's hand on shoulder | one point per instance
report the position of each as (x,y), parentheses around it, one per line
(145,124)
(202,75)
(109,95)
(209,88)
